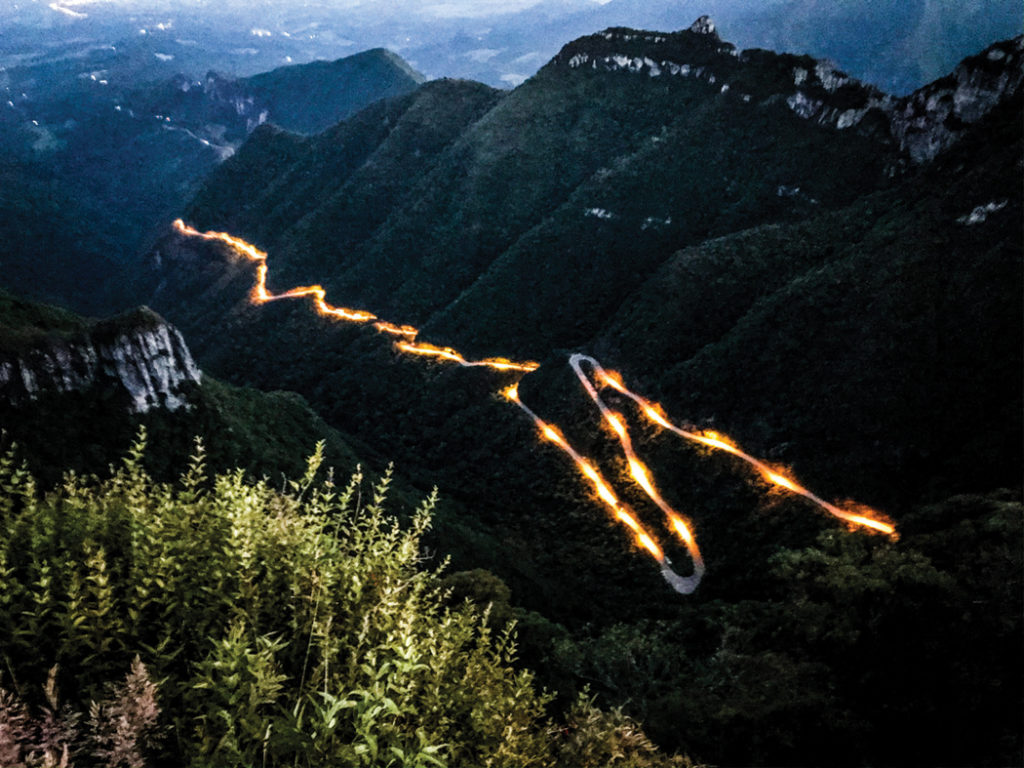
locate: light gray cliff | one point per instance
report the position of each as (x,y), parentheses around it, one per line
(921,125)
(931,119)
(139,356)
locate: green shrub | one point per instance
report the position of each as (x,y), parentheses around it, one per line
(291,626)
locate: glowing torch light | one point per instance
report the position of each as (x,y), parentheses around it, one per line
(680,527)
(407,343)
(628,519)
(783,481)
(551,433)
(616,424)
(259,291)
(613,380)
(641,475)
(260,295)
(647,543)
(656,413)
(878,525)
(397,330)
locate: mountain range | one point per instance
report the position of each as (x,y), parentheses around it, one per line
(827,273)
(897,45)
(93,169)
(767,246)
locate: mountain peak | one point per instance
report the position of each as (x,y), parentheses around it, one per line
(705,25)
(392,58)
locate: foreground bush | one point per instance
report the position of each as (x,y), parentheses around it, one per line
(266,627)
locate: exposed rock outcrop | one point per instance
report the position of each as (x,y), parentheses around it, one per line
(931,119)
(138,356)
(920,126)
(705,25)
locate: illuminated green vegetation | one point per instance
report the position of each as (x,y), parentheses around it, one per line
(268,627)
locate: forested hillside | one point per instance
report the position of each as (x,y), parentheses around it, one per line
(94,162)
(827,274)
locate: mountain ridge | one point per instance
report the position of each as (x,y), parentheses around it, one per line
(844,311)
(583,260)
(83,154)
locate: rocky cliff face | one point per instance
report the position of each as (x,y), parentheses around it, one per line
(932,118)
(928,121)
(138,356)
(813,90)
(921,125)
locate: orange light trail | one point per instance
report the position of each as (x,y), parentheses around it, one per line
(447,353)
(397,330)
(619,511)
(639,472)
(407,343)
(654,412)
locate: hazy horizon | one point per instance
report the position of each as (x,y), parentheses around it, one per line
(897,46)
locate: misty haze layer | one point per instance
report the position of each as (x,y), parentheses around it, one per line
(897,45)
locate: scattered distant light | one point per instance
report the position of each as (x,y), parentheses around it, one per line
(67,11)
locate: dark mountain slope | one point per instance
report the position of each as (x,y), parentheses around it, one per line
(559,154)
(722,165)
(123,159)
(862,329)
(812,243)
(335,188)
(310,98)
(892,326)
(48,246)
